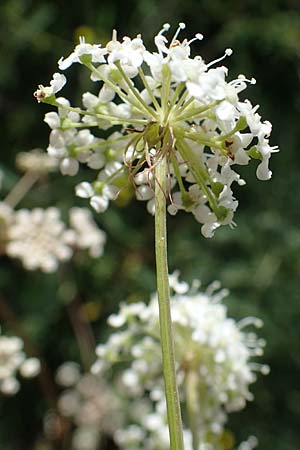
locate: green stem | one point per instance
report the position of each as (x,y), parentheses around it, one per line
(167,344)
(175,164)
(113,119)
(180,87)
(165,92)
(104,143)
(185,105)
(149,90)
(135,92)
(182,99)
(195,112)
(199,173)
(110,84)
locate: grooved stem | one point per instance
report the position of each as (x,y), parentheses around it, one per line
(167,344)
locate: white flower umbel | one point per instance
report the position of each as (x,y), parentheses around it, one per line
(165,104)
(36,161)
(13,360)
(39,238)
(89,404)
(213,359)
(88,235)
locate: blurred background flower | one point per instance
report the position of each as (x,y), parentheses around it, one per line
(214,367)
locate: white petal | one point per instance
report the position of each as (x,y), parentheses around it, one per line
(225,111)
(99,203)
(67,62)
(58,81)
(30,368)
(52,119)
(84,190)
(263,172)
(69,166)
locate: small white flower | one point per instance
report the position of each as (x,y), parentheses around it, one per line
(129,52)
(87,234)
(39,239)
(95,51)
(53,120)
(13,361)
(99,203)
(226,111)
(69,166)
(9,386)
(30,368)
(144,192)
(56,84)
(68,374)
(89,403)
(84,190)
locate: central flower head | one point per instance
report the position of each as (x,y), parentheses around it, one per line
(161,104)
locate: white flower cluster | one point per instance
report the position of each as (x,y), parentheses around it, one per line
(87,235)
(12,361)
(90,405)
(163,104)
(213,361)
(40,239)
(36,161)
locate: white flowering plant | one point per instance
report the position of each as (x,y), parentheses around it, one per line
(214,366)
(13,361)
(161,105)
(89,403)
(171,125)
(38,237)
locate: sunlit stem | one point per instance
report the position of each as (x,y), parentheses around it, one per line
(182,99)
(199,173)
(135,92)
(76,110)
(21,188)
(114,119)
(165,92)
(201,140)
(179,88)
(175,165)
(195,112)
(112,86)
(167,344)
(149,90)
(185,106)
(176,94)
(105,143)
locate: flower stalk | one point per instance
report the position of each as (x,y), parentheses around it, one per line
(167,344)
(21,188)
